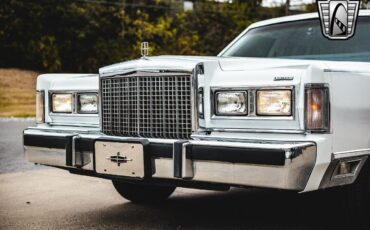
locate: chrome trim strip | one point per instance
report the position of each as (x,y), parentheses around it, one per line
(150,74)
(132,70)
(283,131)
(281,145)
(187,164)
(73,151)
(53,131)
(352,153)
(100,104)
(344,71)
(194,100)
(252,103)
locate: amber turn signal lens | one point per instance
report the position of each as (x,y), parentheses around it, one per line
(317,109)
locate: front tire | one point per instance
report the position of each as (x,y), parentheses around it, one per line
(143,193)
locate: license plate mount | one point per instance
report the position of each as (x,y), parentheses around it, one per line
(120,158)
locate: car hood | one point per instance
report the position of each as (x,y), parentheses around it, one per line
(187,63)
(171,63)
(242,64)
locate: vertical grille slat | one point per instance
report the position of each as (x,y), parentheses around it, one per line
(151,106)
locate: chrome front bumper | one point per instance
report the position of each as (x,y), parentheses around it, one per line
(281,165)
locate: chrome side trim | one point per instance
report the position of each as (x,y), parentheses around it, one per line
(344,71)
(352,153)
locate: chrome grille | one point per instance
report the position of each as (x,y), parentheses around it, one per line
(147,105)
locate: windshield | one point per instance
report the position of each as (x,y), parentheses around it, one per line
(303,40)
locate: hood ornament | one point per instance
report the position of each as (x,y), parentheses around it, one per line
(144,49)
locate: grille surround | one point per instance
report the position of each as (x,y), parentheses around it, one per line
(150,105)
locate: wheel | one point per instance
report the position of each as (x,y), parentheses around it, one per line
(142,193)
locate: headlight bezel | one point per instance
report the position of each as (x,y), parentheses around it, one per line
(251,93)
(75,102)
(271,114)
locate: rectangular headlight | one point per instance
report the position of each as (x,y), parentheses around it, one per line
(274,102)
(40,107)
(231,103)
(87,103)
(62,103)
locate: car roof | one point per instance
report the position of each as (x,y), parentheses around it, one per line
(296,18)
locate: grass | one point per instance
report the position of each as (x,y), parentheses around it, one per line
(17,93)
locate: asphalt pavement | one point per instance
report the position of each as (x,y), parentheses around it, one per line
(11,149)
(39,197)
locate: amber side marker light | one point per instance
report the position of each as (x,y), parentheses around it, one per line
(317,108)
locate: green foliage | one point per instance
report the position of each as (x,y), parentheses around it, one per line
(83,35)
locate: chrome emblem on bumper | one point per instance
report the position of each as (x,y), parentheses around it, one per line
(118,159)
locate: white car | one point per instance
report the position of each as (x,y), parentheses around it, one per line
(280,107)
